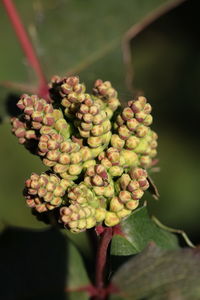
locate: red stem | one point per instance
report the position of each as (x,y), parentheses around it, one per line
(26,45)
(102,252)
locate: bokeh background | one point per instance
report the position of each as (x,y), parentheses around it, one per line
(88,38)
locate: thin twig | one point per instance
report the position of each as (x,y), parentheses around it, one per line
(101,260)
(179,231)
(26,46)
(135,30)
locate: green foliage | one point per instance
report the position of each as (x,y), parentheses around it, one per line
(40,265)
(84,37)
(160,274)
(138,231)
(16,164)
(55,27)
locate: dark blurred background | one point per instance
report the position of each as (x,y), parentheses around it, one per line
(84,37)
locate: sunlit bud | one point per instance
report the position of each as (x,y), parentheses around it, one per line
(59,168)
(123,213)
(133,204)
(140,116)
(148,120)
(124,181)
(132,124)
(132,142)
(127,114)
(136,173)
(94,141)
(131,158)
(124,132)
(117,142)
(75,169)
(100,214)
(116,205)
(116,171)
(141,130)
(125,196)
(133,185)
(137,194)
(111,219)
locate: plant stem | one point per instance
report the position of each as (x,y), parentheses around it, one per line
(101,259)
(26,45)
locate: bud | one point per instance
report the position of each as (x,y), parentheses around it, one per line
(117,142)
(131,158)
(132,204)
(45,192)
(116,205)
(123,213)
(111,219)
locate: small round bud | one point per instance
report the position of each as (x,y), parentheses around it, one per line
(117,142)
(111,219)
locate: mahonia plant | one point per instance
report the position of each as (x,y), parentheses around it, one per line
(97,152)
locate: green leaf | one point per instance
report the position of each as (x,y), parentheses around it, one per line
(81,240)
(77,276)
(70,36)
(40,265)
(17,164)
(171,57)
(138,231)
(159,274)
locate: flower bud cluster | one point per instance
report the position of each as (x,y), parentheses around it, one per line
(37,111)
(116,161)
(131,187)
(93,124)
(45,192)
(70,93)
(105,92)
(90,114)
(100,181)
(112,161)
(21,131)
(85,209)
(61,154)
(97,158)
(134,133)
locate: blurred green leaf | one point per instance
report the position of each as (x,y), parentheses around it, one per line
(166,63)
(69,36)
(77,276)
(82,242)
(139,230)
(16,164)
(40,265)
(159,274)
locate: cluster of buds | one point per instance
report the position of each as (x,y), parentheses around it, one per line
(69,92)
(37,111)
(93,124)
(130,187)
(98,159)
(86,209)
(45,192)
(89,113)
(105,91)
(21,131)
(98,179)
(133,132)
